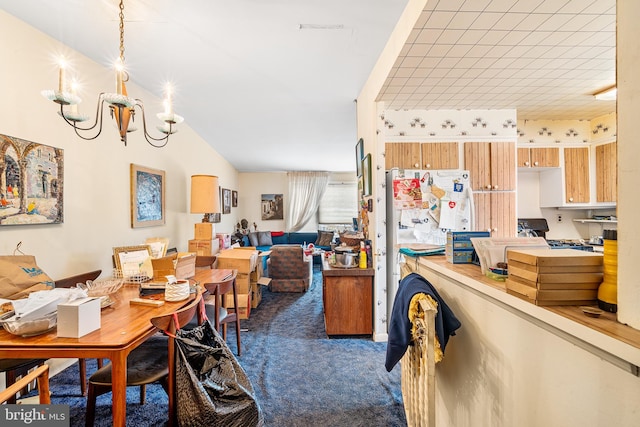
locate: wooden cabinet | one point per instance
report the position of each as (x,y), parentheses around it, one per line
(347,299)
(492,165)
(576,175)
(496,212)
(539,157)
(492,169)
(403,155)
(606,172)
(440,155)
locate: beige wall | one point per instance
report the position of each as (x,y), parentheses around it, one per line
(628,63)
(96,173)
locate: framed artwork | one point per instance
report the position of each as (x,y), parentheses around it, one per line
(366,174)
(147,197)
(133,260)
(158,246)
(234,199)
(272,206)
(226,201)
(359,156)
(32,182)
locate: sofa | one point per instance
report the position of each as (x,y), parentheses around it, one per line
(289,269)
(264,240)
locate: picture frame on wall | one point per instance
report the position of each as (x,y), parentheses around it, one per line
(366,173)
(226,201)
(147,196)
(272,206)
(234,199)
(32,190)
(359,156)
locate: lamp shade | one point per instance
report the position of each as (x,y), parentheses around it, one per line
(205,195)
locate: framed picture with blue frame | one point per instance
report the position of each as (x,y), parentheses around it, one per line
(359,156)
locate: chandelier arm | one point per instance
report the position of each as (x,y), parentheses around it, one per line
(76,128)
(151,140)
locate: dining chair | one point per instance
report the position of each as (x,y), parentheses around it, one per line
(152,361)
(16,368)
(220,311)
(41,375)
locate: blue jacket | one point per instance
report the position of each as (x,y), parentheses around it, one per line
(400,325)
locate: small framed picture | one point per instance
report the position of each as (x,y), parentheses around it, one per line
(366,173)
(226,201)
(234,199)
(359,156)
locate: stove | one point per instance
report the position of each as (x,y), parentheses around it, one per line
(569,244)
(538,227)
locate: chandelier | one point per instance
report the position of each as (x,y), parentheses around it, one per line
(121,106)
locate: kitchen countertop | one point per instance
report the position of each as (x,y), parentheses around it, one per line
(605,333)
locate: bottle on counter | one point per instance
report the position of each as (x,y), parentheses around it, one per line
(363,256)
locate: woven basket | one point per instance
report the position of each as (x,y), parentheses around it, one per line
(351,239)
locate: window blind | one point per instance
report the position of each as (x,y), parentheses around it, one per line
(339,204)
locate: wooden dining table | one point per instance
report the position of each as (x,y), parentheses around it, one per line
(123,327)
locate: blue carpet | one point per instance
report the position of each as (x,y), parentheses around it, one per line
(301,377)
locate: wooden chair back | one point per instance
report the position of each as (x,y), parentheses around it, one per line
(41,374)
(169,324)
(70,282)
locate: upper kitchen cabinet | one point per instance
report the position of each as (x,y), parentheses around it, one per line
(492,170)
(440,155)
(569,185)
(539,157)
(606,172)
(403,155)
(492,165)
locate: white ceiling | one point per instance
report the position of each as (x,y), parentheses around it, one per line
(545,58)
(270,96)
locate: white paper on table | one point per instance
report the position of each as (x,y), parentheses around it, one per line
(41,303)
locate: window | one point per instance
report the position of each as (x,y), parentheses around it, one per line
(339,203)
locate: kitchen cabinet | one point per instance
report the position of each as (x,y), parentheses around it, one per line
(492,170)
(403,155)
(576,175)
(492,165)
(568,186)
(495,211)
(606,172)
(347,300)
(440,155)
(539,157)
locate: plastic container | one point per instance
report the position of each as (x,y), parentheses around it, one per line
(28,328)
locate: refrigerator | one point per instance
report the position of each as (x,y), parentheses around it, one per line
(422,206)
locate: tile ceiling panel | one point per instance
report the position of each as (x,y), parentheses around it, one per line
(544,58)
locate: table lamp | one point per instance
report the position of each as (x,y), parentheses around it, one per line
(205,199)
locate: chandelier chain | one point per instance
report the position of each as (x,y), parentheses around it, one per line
(121,15)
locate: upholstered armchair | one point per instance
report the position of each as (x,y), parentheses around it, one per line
(288,269)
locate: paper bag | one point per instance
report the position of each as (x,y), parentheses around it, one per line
(20,275)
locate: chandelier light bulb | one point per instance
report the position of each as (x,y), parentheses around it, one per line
(62,64)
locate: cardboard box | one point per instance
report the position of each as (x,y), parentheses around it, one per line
(256,290)
(244,301)
(182,265)
(459,249)
(204,247)
(243,260)
(243,283)
(79,317)
(554,276)
(545,258)
(203,231)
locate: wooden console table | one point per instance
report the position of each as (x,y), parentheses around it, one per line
(347,298)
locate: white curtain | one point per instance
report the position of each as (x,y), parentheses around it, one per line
(305,192)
